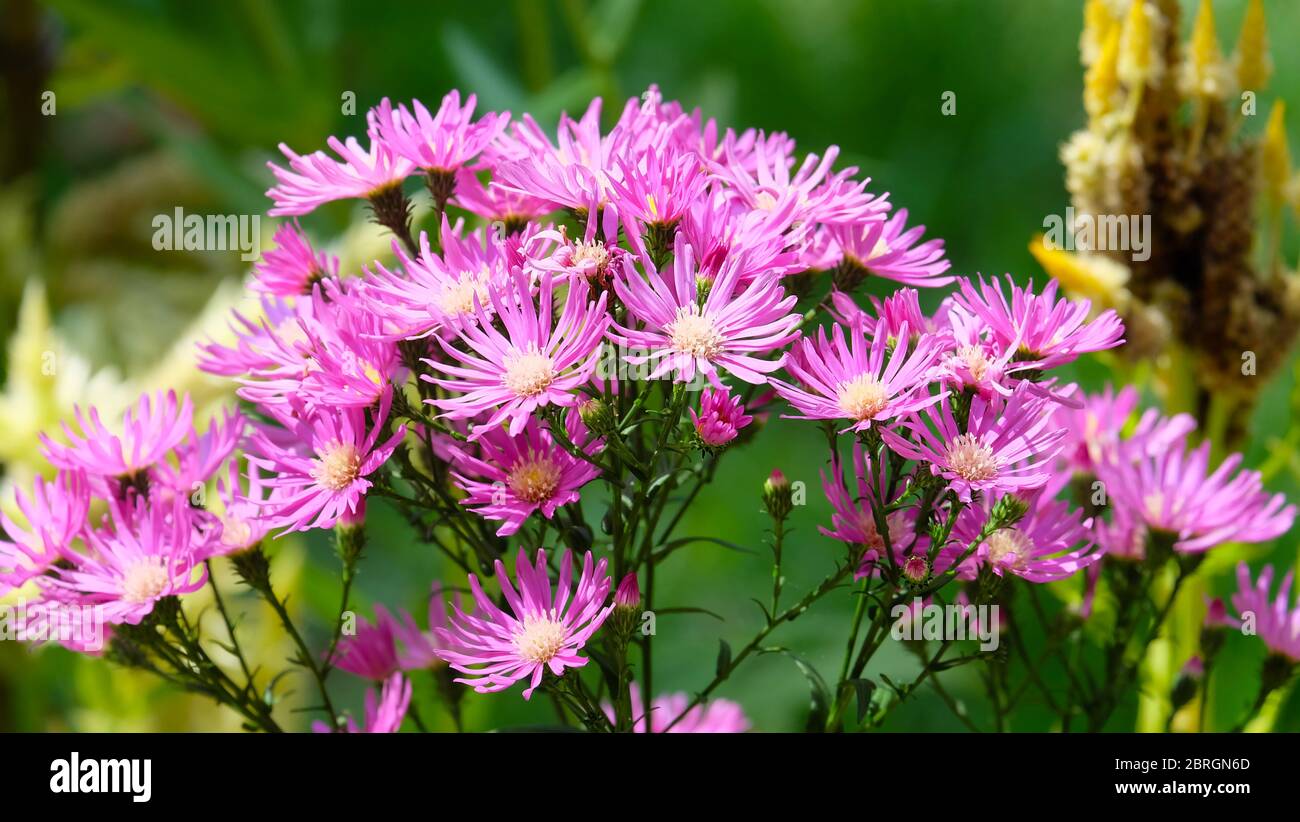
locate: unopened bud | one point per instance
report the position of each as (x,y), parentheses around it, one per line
(778,497)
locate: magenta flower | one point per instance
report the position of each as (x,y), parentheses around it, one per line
(1040,330)
(1093,431)
(383,715)
(317,178)
(729,329)
(853,521)
(506,478)
(657,189)
(321,469)
(882,247)
(370,653)
(760,178)
(259,343)
(200,456)
(150,429)
(721,417)
(150,552)
(537,361)
(292,267)
(1050,542)
(628,593)
(1174,492)
(1005,446)
(719,716)
(1276,622)
(495,203)
(55,515)
(857,383)
(542,631)
(416,649)
(241,517)
(442,142)
(439,291)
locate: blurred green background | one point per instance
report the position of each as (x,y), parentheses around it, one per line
(164,104)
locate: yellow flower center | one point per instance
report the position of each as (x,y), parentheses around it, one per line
(971,459)
(337,467)
(529,373)
(457,298)
(534,479)
(694,334)
(972,356)
(145,580)
(863,397)
(1009,546)
(540,639)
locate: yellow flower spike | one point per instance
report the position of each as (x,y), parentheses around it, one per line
(1098,278)
(1098,23)
(1135,47)
(1206,74)
(1254,64)
(1101,83)
(1275,156)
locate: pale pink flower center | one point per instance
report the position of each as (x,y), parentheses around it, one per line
(694,334)
(975,361)
(338,466)
(971,459)
(458,298)
(1009,546)
(235,532)
(145,580)
(593,253)
(534,479)
(529,373)
(540,639)
(863,397)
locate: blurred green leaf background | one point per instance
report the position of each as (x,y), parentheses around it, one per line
(163,104)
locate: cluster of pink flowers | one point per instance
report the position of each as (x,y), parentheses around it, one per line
(686,247)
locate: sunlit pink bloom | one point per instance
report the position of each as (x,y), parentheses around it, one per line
(148,553)
(54,515)
(718,231)
(442,142)
(318,178)
(1006,445)
(1277,621)
(1048,543)
(241,517)
(718,716)
(720,418)
(730,330)
(657,189)
(321,474)
(254,338)
(973,363)
(292,267)
(592,258)
(383,715)
(1094,430)
(200,456)
(839,379)
(1174,491)
(628,593)
(494,203)
(416,649)
(853,499)
(1041,330)
(370,653)
(537,361)
(886,248)
(545,629)
(351,362)
(150,428)
(506,478)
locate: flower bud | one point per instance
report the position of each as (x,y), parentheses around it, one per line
(778,497)
(916,570)
(628,594)
(1188,683)
(597,415)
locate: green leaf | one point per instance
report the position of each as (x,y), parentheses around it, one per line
(724,657)
(864,689)
(819,697)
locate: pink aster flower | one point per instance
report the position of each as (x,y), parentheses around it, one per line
(55,515)
(383,715)
(320,473)
(370,653)
(506,478)
(318,178)
(537,361)
(718,716)
(416,649)
(1093,431)
(1277,621)
(1040,329)
(150,428)
(854,381)
(495,203)
(292,267)
(259,341)
(657,189)
(241,517)
(730,329)
(1175,492)
(886,248)
(200,456)
(1006,446)
(1050,542)
(761,178)
(148,553)
(443,142)
(853,521)
(718,231)
(545,629)
(720,418)
(350,360)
